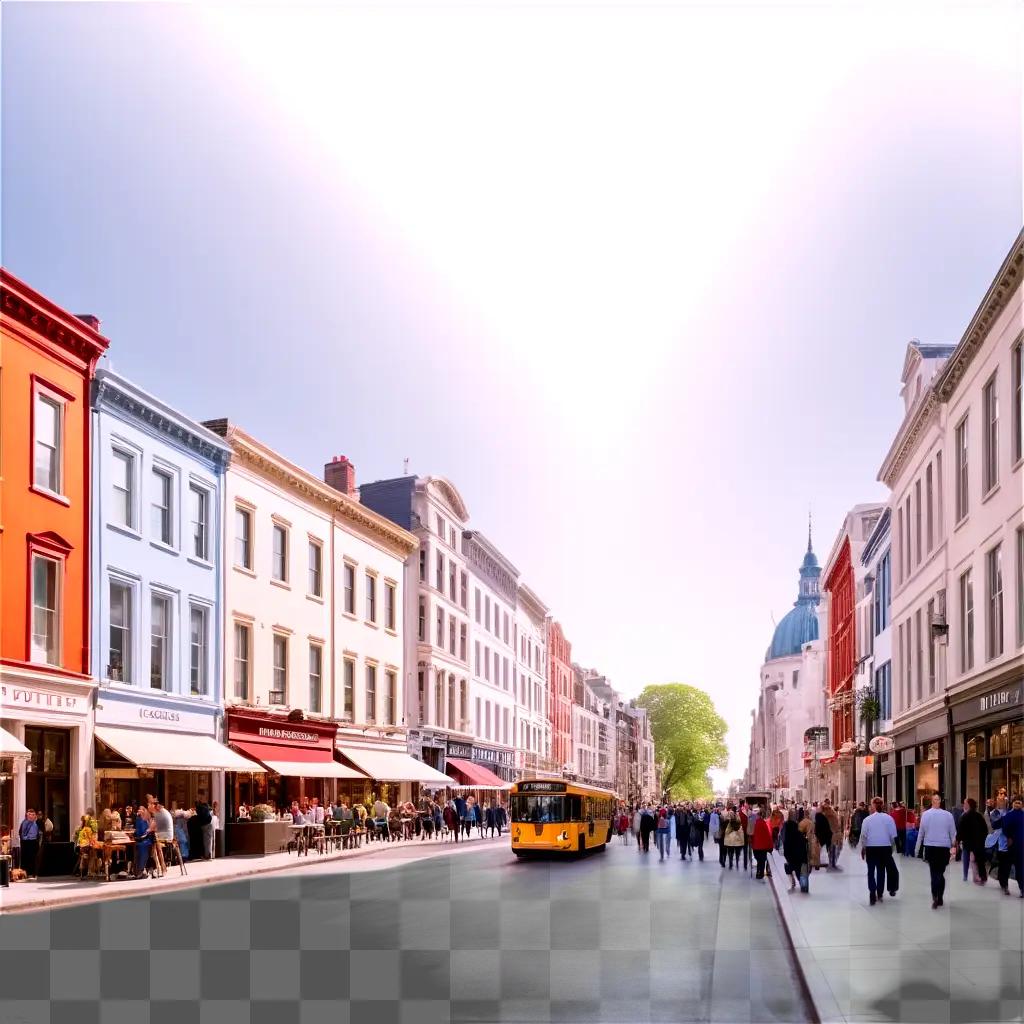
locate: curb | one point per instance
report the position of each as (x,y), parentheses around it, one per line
(103,891)
(789,925)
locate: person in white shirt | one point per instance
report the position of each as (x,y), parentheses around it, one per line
(936,835)
(315,815)
(877,841)
(164,821)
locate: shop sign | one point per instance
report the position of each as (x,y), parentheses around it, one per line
(112,711)
(26,698)
(460,750)
(491,756)
(264,728)
(989,703)
(881,744)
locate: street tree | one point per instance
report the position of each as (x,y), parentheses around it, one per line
(689,737)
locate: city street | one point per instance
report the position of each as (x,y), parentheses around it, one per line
(465,935)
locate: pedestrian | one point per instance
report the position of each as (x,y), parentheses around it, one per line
(747,827)
(204,818)
(936,838)
(794,852)
(735,839)
(823,834)
(145,832)
(857,820)
(29,832)
(698,830)
(899,816)
(877,842)
(1011,847)
(636,823)
(835,829)
(777,820)
(647,826)
(682,827)
(971,833)
(761,842)
(715,828)
(664,834)
(452,820)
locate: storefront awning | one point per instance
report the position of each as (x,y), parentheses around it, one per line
(295,762)
(177,751)
(11,746)
(476,776)
(394,766)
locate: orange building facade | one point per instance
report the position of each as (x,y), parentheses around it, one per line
(560,680)
(47,361)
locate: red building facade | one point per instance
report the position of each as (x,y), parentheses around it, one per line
(841,587)
(560,695)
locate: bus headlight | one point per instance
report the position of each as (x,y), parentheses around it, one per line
(563,835)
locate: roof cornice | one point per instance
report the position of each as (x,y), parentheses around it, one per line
(532,602)
(117,393)
(263,460)
(908,437)
(1002,289)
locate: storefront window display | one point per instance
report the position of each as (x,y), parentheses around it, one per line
(929,771)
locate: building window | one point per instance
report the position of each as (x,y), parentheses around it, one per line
(1020,585)
(371,597)
(881,596)
(441,531)
(48,443)
(423,620)
(931,646)
(197,650)
(452,580)
(45,610)
(487,664)
(389,605)
(440,627)
(390,683)
(350,589)
(966,622)
(464,592)
(908,550)
(990,445)
(930,510)
(243,538)
(316,569)
(439,575)
(908,675)
(476,601)
(994,622)
(119,655)
(476,657)
(1018,401)
(162,508)
(463,642)
(371,693)
(423,565)
(279,567)
(348,688)
(279,686)
(243,648)
(316,673)
(451,634)
(962,497)
(123,479)
(883,691)
(917,521)
(160,642)
(200,500)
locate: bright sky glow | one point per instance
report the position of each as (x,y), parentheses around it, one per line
(637,278)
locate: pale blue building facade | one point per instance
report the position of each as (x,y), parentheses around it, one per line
(157,626)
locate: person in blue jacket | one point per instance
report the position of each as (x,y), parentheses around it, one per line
(144,834)
(1011,847)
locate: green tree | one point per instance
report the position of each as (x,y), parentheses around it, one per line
(689,737)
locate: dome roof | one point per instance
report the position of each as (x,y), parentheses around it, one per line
(799,625)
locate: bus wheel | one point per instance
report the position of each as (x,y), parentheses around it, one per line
(581,845)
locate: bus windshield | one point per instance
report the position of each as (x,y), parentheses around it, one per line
(538,809)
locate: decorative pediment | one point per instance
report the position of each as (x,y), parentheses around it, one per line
(444,490)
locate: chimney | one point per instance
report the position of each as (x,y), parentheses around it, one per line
(340,474)
(89,320)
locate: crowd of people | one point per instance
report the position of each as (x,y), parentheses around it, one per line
(985,842)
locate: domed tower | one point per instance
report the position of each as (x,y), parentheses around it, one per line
(799,625)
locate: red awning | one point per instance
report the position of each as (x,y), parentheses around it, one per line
(475,775)
(296,762)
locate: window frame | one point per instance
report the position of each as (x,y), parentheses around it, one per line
(390,691)
(316,653)
(348,588)
(58,398)
(132,458)
(128,660)
(204,662)
(315,573)
(1017,401)
(247,513)
(994,623)
(197,490)
(57,559)
(348,688)
(370,596)
(280,642)
(990,437)
(165,599)
(167,476)
(370,693)
(280,529)
(962,469)
(246,629)
(965,596)
(390,605)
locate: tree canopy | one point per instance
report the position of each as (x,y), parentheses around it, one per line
(689,737)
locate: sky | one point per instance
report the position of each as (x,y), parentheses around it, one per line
(638,279)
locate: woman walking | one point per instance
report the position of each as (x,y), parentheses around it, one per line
(762,844)
(663,834)
(715,828)
(794,851)
(734,839)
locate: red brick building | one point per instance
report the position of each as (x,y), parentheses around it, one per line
(560,678)
(840,588)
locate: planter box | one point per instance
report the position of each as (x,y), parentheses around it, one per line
(258,837)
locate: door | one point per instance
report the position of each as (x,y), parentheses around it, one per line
(47,785)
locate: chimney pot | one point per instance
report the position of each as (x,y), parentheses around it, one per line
(340,474)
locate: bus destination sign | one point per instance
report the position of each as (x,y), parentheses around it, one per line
(541,787)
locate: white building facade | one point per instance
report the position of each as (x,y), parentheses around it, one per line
(533,726)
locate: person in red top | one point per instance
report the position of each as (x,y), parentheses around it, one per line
(899,816)
(761,841)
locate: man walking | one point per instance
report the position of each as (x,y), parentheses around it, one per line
(1011,847)
(877,838)
(937,837)
(899,815)
(971,832)
(204,818)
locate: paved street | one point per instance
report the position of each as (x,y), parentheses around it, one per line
(901,960)
(469,935)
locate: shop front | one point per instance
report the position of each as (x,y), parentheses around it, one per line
(989,743)
(295,759)
(921,762)
(53,721)
(429,747)
(151,743)
(482,771)
(388,773)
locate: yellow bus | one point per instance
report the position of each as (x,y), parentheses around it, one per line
(559,817)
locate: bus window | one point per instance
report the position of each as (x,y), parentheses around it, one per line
(538,810)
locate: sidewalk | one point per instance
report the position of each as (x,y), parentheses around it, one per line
(64,890)
(900,960)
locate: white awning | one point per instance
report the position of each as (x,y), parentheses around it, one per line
(394,766)
(313,769)
(11,746)
(149,748)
